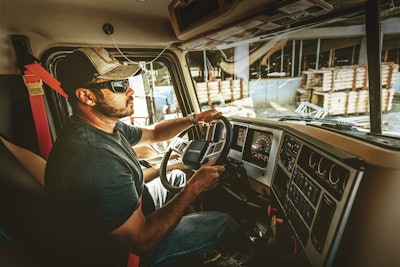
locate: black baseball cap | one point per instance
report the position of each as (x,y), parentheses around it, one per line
(85,64)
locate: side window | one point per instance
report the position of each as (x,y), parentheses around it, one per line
(154,98)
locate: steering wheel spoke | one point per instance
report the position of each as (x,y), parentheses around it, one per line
(178,145)
(214,150)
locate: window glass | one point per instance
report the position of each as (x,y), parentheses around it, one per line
(319,78)
(154,98)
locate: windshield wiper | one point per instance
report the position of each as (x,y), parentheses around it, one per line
(319,121)
(347,128)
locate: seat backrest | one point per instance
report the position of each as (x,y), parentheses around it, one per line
(29,234)
(33,163)
(23,224)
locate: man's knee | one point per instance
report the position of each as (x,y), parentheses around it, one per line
(229,225)
(176,178)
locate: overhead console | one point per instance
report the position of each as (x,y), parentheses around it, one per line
(194,15)
(313,186)
(193,19)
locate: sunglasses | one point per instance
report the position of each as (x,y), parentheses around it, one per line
(117,86)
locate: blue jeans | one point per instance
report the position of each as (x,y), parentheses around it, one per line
(161,195)
(195,234)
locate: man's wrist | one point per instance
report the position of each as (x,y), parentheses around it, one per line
(192,118)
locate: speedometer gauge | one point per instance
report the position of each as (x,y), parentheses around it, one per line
(262,144)
(258,153)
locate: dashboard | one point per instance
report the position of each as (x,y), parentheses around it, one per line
(312,188)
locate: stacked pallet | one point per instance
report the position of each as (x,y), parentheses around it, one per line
(389,74)
(202,92)
(213,92)
(395,74)
(350,102)
(335,79)
(360,79)
(303,95)
(221,91)
(323,80)
(353,103)
(307,80)
(226,90)
(343,90)
(341,78)
(335,102)
(362,104)
(239,89)
(387,99)
(363,100)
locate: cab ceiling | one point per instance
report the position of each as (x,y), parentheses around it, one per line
(50,23)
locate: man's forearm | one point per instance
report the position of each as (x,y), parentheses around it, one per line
(161,222)
(167,129)
(164,130)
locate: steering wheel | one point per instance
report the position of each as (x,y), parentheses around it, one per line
(215,143)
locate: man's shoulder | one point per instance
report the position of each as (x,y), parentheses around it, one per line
(79,133)
(131,132)
(122,126)
(77,137)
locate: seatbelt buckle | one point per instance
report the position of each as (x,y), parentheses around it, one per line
(34,86)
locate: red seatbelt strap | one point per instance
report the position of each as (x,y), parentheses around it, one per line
(133,259)
(34,77)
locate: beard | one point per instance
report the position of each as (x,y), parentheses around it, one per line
(107,110)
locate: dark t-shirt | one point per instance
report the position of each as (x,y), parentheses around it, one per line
(93,182)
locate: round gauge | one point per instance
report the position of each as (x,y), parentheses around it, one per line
(262,144)
(338,174)
(313,160)
(322,166)
(334,175)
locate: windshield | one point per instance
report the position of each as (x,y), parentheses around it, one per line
(314,73)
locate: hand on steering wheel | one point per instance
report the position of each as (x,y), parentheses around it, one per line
(215,144)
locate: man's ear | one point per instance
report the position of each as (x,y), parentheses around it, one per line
(85,96)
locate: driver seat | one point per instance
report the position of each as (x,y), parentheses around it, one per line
(24,228)
(26,236)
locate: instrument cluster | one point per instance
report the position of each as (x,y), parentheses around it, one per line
(256,148)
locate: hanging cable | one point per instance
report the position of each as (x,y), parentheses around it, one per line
(128,59)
